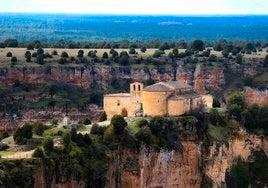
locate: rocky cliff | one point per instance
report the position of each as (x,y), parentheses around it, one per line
(255,96)
(84,77)
(169,169)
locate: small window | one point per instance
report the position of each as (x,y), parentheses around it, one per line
(139,87)
(118,102)
(134,87)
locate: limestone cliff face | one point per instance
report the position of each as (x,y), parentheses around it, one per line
(255,96)
(221,157)
(208,79)
(169,169)
(85,76)
(166,169)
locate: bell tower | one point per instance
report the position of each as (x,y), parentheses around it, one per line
(135,98)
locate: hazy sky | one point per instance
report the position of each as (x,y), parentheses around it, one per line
(137,6)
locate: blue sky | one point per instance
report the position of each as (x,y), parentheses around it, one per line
(175,7)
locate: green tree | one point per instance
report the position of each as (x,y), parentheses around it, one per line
(64,54)
(23,133)
(14,59)
(239,59)
(28,56)
(198,45)
(30,47)
(38,152)
(142,123)
(38,127)
(9,54)
(80,53)
(265,61)
(40,59)
(103,116)
(144,135)
(158,53)
(143,49)
(238,176)
(66,139)
(11,43)
(48,144)
(225,53)
(87,121)
(40,51)
(236,104)
(119,123)
(105,55)
(132,51)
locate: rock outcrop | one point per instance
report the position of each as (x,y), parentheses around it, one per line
(255,96)
(169,169)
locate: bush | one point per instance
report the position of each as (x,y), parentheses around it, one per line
(48,144)
(23,133)
(144,135)
(4,135)
(118,123)
(103,117)
(54,121)
(9,54)
(96,129)
(87,121)
(108,135)
(64,54)
(39,128)
(40,51)
(54,52)
(3,146)
(142,123)
(158,53)
(14,59)
(38,152)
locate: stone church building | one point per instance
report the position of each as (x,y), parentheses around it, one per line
(163,98)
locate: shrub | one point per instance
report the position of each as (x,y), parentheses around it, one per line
(54,121)
(39,128)
(108,135)
(103,116)
(14,59)
(23,133)
(54,52)
(38,152)
(3,146)
(9,54)
(118,123)
(142,123)
(158,53)
(4,135)
(48,144)
(40,51)
(96,129)
(87,121)
(144,135)
(64,54)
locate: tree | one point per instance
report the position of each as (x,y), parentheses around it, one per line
(142,123)
(80,53)
(39,128)
(239,59)
(105,55)
(236,104)
(30,47)
(143,49)
(265,61)
(87,121)
(11,43)
(40,51)
(38,152)
(164,46)
(40,59)
(198,45)
(28,56)
(23,133)
(48,144)
(158,53)
(54,52)
(103,116)
(118,123)
(64,54)
(144,135)
(132,51)
(14,59)
(9,54)
(66,139)
(225,53)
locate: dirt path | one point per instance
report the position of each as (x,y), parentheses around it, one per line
(19,155)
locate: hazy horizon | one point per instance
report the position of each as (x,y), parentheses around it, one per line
(139,7)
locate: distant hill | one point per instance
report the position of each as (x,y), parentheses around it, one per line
(55,27)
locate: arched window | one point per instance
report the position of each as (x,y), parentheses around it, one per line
(139,87)
(134,87)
